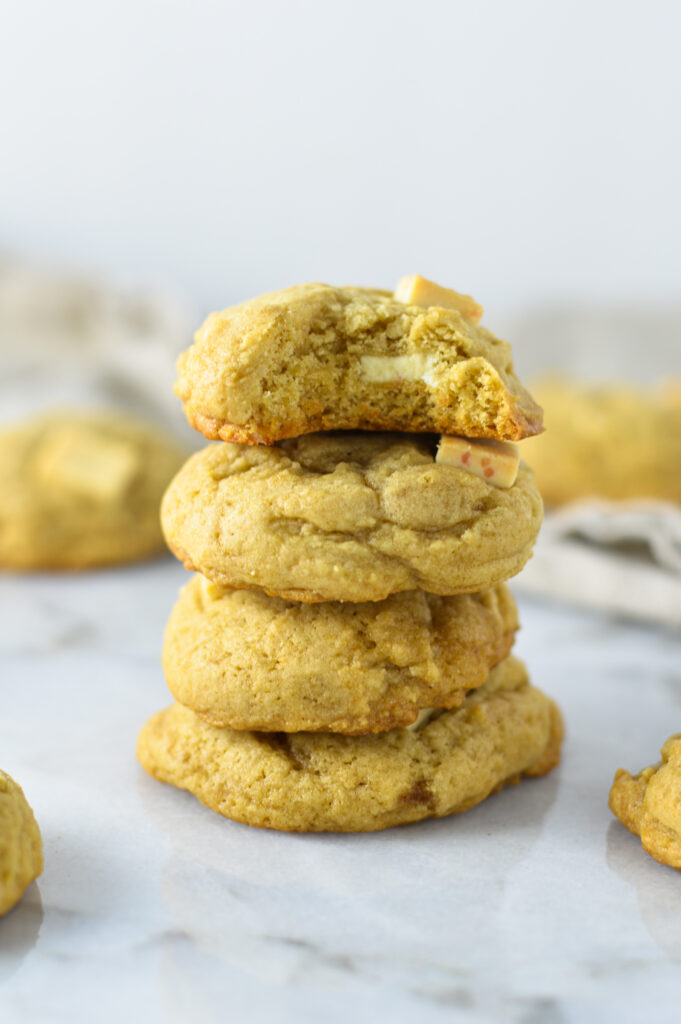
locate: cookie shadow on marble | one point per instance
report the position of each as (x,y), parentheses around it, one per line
(656,886)
(240,898)
(20,930)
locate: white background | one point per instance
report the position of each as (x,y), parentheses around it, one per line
(527,152)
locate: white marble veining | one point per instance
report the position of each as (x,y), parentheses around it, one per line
(534,907)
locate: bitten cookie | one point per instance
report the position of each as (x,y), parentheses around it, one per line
(317,782)
(21,848)
(347,517)
(249,661)
(612,442)
(649,804)
(82,489)
(313,358)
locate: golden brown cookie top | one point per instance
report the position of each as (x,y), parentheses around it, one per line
(243,659)
(314,357)
(347,517)
(21,848)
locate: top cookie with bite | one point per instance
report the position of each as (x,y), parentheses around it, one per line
(316,358)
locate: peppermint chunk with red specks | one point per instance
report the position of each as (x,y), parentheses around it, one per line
(419,291)
(494,461)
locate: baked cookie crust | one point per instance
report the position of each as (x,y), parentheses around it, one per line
(243,659)
(325,782)
(313,358)
(21,847)
(347,517)
(649,804)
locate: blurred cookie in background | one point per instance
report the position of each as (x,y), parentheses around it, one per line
(612,441)
(81,489)
(609,470)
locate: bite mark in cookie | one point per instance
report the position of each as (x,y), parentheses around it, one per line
(314,357)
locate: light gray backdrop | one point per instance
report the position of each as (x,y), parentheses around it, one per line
(527,152)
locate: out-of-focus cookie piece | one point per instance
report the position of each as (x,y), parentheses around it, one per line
(613,442)
(326,782)
(82,489)
(314,357)
(21,847)
(649,804)
(249,661)
(347,517)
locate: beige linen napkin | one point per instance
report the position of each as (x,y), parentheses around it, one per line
(67,340)
(619,557)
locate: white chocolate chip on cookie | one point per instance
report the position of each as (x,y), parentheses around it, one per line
(386,369)
(419,291)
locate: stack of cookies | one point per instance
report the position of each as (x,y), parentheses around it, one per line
(341,659)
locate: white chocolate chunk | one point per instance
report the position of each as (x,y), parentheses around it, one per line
(95,467)
(423,717)
(494,461)
(212,591)
(419,291)
(384,369)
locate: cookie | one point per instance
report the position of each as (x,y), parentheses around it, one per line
(326,782)
(21,847)
(313,357)
(649,804)
(249,661)
(611,442)
(82,489)
(347,517)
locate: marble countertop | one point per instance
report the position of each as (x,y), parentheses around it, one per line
(536,906)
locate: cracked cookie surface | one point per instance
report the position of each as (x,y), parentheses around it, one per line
(313,357)
(21,847)
(81,489)
(347,517)
(249,661)
(649,804)
(326,782)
